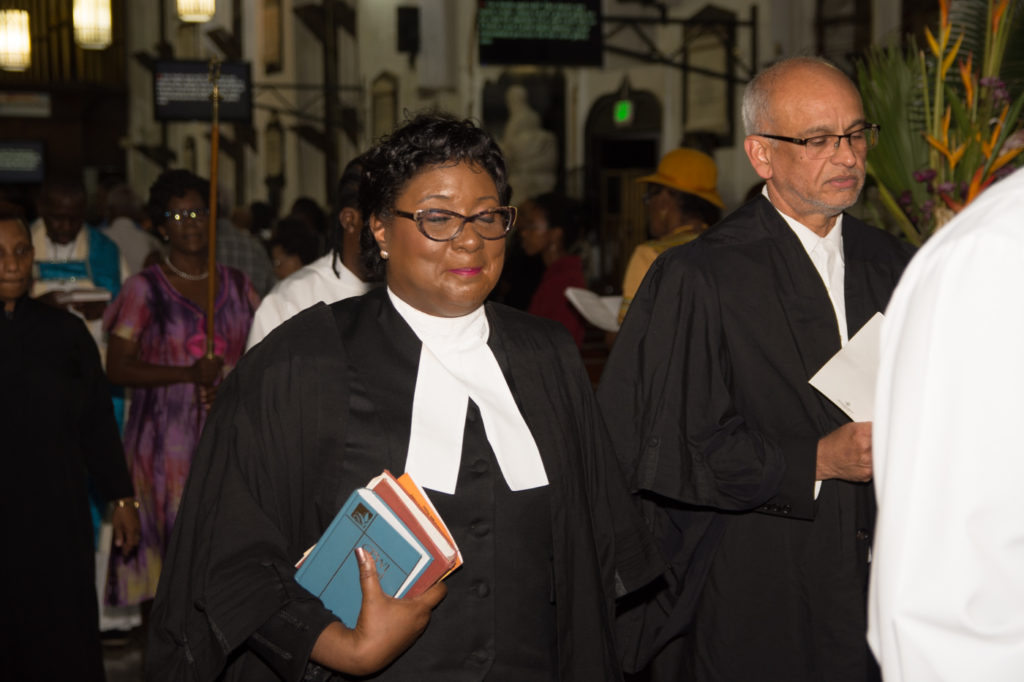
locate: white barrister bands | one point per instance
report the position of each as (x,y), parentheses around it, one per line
(456,364)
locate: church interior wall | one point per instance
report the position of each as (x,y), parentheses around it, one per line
(783,29)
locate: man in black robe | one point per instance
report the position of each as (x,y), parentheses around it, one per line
(756,485)
(58,434)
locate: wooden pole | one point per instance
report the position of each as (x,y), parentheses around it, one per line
(211,264)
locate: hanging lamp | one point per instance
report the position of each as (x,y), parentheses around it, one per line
(92,24)
(15,40)
(196,11)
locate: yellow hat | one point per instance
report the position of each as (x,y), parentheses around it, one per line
(690,171)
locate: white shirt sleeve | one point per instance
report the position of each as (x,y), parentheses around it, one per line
(272,311)
(947,580)
(308,286)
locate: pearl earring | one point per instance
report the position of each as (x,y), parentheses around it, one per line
(384,254)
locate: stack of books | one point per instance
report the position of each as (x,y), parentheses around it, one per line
(394,521)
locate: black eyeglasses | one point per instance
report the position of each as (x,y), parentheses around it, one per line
(440,225)
(179,217)
(822,146)
(653,190)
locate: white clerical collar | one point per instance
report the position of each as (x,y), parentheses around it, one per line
(808,237)
(457,365)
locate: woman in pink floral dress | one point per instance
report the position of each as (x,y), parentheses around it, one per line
(157,346)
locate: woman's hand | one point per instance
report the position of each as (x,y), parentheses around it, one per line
(206,370)
(385,629)
(127,530)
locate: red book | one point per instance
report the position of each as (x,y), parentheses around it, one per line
(412,506)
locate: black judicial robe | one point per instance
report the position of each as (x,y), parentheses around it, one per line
(274,466)
(706,397)
(58,432)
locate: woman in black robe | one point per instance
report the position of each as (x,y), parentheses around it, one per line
(59,433)
(527,482)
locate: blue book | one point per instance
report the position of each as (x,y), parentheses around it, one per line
(331,570)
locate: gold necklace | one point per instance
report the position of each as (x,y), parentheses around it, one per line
(185,275)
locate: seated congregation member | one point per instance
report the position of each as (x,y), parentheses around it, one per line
(330,278)
(551,226)
(488,408)
(157,328)
(59,433)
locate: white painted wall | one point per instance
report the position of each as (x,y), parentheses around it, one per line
(785,28)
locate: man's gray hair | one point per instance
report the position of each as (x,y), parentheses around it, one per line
(758,93)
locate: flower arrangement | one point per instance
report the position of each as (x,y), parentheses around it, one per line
(947,133)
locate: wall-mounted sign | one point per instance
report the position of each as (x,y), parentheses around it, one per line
(22,161)
(25,104)
(181,91)
(550,32)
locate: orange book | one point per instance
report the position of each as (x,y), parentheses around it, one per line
(414,508)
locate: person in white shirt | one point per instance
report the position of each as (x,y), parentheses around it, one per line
(947,580)
(124,209)
(330,278)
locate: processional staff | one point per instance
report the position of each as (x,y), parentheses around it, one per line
(211,265)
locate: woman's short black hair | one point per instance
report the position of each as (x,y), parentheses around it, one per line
(565,213)
(13,213)
(428,140)
(173,184)
(307,209)
(297,238)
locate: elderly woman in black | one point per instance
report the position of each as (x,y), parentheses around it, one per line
(488,408)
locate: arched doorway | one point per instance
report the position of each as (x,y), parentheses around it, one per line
(617,153)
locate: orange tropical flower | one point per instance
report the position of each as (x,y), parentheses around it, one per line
(967,77)
(997,14)
(948,60)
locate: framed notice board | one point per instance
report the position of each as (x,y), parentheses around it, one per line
(181,91)
(547,32)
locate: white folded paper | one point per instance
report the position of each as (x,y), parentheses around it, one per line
(600,311)
(849,378)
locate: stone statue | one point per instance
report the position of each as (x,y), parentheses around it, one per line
(531,152)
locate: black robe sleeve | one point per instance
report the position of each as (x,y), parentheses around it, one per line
(602,547)
(682,445)
(252,505)
(665,395)
(98,434)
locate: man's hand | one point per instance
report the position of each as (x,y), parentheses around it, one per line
(846,453)
(386,626)
(51,298)
(90,310)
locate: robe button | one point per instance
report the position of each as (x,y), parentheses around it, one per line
(480,466)
(862,534)
(479,656)
(479,529)
(481,589)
